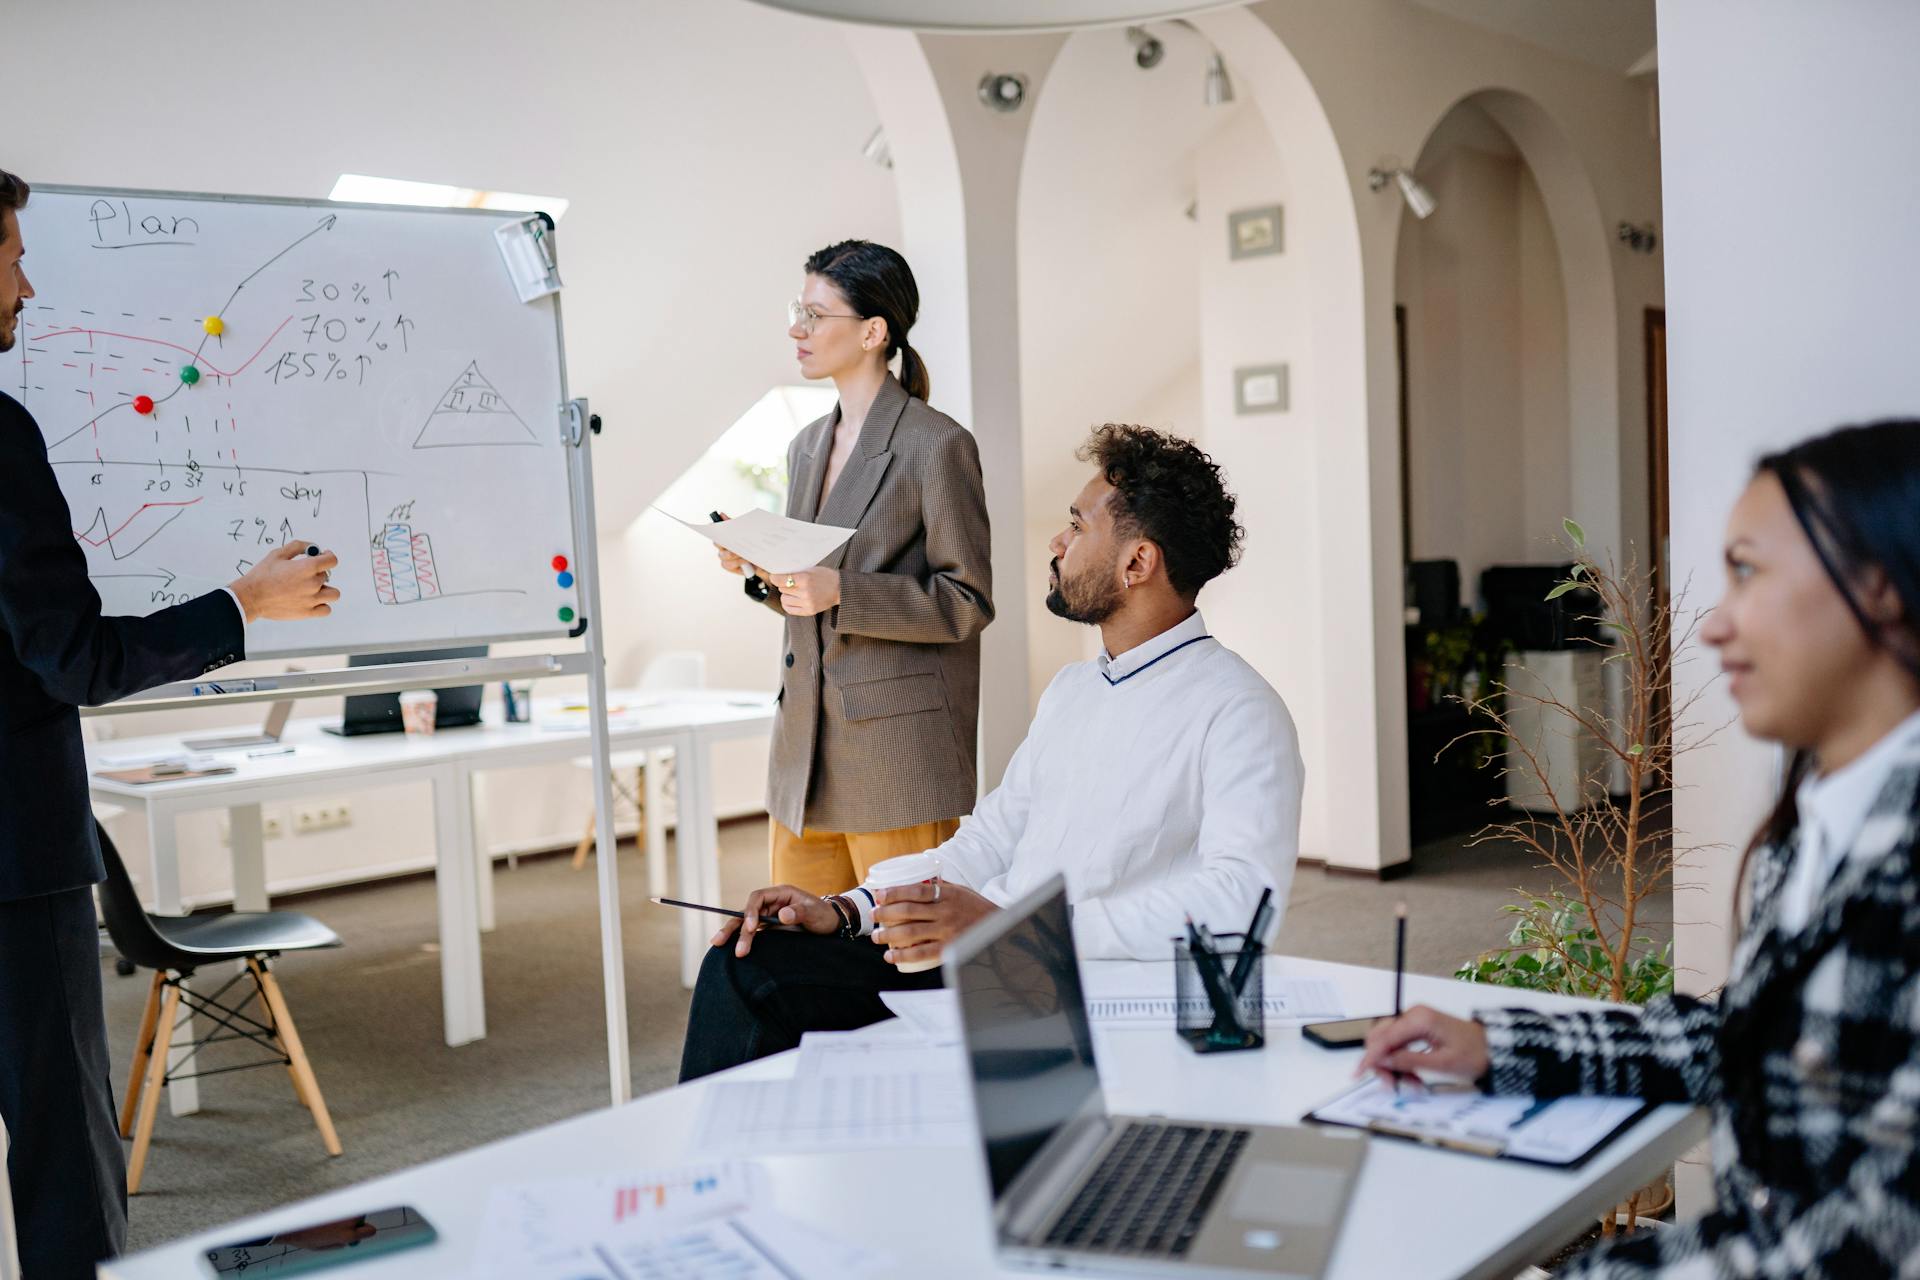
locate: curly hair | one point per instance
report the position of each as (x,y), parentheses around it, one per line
(1168,491)
(13,195)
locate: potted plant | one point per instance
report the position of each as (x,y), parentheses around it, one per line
(1611,850)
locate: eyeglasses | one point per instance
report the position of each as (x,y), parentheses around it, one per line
(802,317)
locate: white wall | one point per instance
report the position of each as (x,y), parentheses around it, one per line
(706,150)
(1486,355)
(1788,141)
(1109,279)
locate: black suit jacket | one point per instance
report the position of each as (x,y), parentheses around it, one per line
(57,653)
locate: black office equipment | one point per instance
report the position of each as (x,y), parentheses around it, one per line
(380,712)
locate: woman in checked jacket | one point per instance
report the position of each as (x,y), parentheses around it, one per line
(1810,1059)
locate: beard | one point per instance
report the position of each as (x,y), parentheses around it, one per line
(1091,599)
(10,325)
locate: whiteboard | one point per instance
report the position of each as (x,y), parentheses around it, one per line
(377,388)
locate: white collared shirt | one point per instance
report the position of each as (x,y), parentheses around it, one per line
(1833,809)
(1161,783)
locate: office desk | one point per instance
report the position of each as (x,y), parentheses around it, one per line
(1418,1213)
(686,722)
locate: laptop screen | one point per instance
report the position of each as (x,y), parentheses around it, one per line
(1029,1046)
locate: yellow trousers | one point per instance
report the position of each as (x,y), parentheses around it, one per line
(823,862)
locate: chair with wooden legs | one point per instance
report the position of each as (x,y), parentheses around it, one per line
(175,947)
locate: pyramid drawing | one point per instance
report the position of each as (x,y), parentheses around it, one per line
(472,413)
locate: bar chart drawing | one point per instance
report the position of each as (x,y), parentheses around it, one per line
(403,571)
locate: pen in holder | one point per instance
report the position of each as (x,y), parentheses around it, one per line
(1209,1014)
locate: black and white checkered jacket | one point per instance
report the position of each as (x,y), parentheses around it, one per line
(1810,1061)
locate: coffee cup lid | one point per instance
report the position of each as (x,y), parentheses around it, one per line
(908,868)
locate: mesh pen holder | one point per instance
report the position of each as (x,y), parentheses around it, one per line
(1215,1022)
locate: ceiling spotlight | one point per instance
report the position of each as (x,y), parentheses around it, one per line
(1003,90)
(1640,239)
(1219,87)
(1420,201)
(1147,50)
(877,149)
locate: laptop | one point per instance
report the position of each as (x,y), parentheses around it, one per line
(380,712)
(1075,1188)
(269,734)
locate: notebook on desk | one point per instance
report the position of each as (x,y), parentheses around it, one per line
(1560,1132)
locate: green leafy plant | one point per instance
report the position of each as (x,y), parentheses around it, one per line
(1611,851)
(1554,947)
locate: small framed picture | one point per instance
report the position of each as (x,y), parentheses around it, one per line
(1253,233)
(1260,388)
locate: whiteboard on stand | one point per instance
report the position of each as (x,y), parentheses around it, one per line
(371,383)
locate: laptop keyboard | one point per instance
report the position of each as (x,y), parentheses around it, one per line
(1151,1191)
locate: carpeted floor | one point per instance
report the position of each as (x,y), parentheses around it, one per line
(370,1016)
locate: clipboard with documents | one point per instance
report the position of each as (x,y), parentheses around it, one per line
(1559,1132)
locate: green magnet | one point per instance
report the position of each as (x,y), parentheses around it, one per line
(189,374)
(566,614)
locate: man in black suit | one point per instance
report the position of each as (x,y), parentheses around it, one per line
(57,653)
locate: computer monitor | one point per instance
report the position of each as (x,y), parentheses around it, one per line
(1028,1041)
(380,712)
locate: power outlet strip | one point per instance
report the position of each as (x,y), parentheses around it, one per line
(321,817)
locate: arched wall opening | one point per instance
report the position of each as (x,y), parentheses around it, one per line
(1506,338)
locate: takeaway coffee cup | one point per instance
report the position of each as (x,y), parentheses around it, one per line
(417,707)
(911,868)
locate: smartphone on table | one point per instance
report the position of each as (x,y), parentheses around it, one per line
(319,1246)
(1347,1033)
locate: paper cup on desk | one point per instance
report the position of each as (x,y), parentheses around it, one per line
(891,873)
(417,708)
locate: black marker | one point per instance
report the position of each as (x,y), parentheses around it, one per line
(312,550)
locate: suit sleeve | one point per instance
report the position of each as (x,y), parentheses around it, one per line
(1664,1052)
(1868,1224)
(51,612)
(954,603)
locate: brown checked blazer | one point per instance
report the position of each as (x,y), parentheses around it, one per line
(880,695)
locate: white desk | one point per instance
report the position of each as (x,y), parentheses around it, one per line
(1417,1213)
(687,722)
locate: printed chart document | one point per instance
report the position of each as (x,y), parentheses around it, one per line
(704,1220)
(1285,998)
(858,1111)
(1555,1131)
(932,1015)
(775,543)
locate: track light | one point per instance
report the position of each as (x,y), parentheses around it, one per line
(877,149)
(1147,49)
(1420,201)
(1003,90)
(1219,87)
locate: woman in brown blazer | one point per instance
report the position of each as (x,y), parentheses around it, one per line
(873,744)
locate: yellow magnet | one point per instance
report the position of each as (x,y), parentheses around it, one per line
(214,326)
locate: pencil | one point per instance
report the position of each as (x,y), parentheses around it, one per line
(1399,967)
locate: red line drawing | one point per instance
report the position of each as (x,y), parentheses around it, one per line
(80,534)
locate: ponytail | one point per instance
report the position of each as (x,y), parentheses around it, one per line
(913,372)
(876,281)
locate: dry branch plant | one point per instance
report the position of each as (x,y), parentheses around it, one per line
(1612,850)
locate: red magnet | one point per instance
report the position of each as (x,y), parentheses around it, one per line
(559,562)
(143,404)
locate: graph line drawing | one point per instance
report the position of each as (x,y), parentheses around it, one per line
(97,534)
(472,412)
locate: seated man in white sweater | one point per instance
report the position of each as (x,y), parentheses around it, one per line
(1162,778)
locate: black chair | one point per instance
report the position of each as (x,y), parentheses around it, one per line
(174,947)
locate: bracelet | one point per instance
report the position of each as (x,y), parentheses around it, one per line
(849,922)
